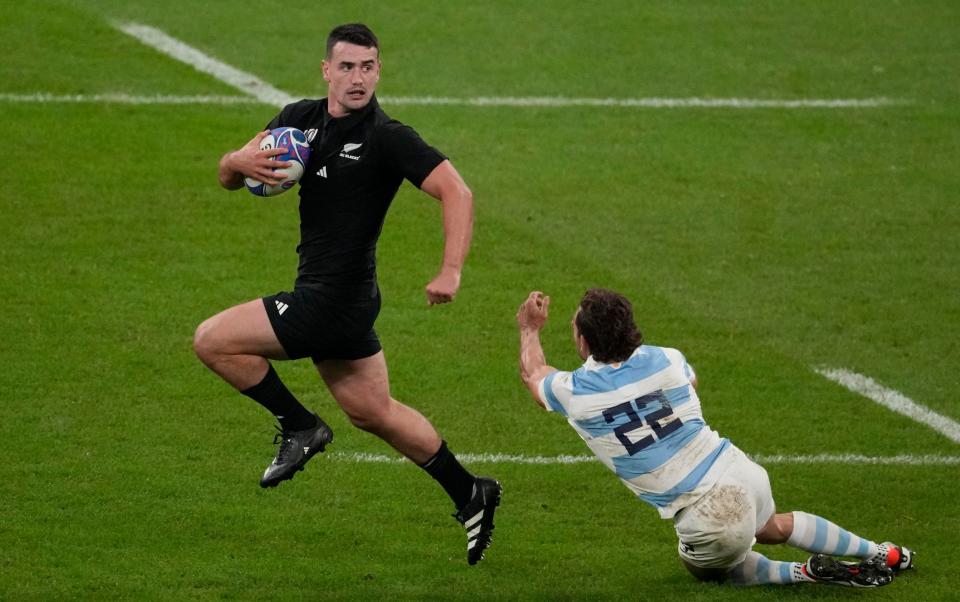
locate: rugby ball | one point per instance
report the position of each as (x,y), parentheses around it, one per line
(298,153)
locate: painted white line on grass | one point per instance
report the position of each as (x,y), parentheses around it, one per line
(241,80)
(266,93)
(894,400)
(644,103)
(925,460)
(560,102)
(365,458)
(129,99)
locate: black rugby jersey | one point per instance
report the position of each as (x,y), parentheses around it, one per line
(357,163)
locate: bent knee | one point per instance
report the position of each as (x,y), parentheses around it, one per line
(372,422)
(373,416)
(777,530)
(205,342)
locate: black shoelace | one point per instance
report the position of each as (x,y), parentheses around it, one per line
(285,440)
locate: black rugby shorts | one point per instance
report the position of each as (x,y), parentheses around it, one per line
(326,322)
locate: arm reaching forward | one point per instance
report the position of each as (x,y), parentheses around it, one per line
(531,318)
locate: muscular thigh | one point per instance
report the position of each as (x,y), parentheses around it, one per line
(242,330)
(360,386)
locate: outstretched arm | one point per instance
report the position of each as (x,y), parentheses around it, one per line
(249,161)
(531,318)
(444,183)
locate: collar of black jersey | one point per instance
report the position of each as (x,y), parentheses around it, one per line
(350,120)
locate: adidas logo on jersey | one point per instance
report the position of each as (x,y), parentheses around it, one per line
(322,172)
(281,306)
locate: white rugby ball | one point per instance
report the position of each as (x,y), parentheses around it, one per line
(298,154)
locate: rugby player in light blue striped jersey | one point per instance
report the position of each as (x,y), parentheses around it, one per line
(637,409)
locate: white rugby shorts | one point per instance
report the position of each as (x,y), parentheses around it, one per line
(718,530)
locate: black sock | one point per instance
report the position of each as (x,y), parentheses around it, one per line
(272,394)
(452,476)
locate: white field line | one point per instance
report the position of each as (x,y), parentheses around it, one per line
(485,101)
(894,400)
(241,80)
(129,99)
(643,103)
(926,460)
(264,92)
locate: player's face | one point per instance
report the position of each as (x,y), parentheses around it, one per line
(352,73)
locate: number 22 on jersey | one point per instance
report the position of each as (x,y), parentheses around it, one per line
(659,420)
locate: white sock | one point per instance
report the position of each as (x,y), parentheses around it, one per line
(757,569)
(815,534)
(883,551)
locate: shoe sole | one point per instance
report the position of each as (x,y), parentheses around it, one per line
(845,582)
(300,465)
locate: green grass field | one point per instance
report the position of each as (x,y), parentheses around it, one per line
(762,242)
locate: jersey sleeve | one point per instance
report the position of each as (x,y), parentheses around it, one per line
(681,360)
(407,154)
(279,120)
(556,389)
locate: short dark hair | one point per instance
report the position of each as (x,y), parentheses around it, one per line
(352,33)
(605,320)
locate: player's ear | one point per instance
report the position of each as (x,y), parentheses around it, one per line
(325,69)
(583,348)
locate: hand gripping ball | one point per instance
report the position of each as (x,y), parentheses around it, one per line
(298,153)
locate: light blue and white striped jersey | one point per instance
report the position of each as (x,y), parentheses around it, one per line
(642,419)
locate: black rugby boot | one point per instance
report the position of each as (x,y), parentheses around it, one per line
(477,517)
(296,449)
(869,573)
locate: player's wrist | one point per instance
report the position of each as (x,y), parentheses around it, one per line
(230,177)
(228,163)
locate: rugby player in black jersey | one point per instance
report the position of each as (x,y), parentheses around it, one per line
(359,158)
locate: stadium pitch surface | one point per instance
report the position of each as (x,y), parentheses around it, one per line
(809,228)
